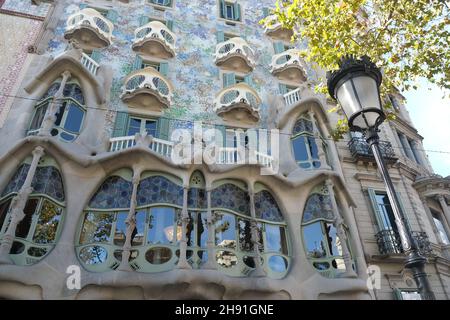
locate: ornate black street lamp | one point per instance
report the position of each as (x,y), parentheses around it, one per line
(356,86)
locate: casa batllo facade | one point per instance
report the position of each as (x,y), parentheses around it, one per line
(91,97)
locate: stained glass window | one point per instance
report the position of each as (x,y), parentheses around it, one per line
(115,192)
(158,189)
(266,207)
(304,145)
(230,196)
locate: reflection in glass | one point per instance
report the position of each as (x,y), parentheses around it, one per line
(202,230)
(133,255)
(24,225)
(3,211)
(321,265)
(160,218)
(45,231)
(249,261)
(226,259)
(36,252)
(314,240)
(137,236)
(276,239)
(93,255)
(96,228)
(245,235)
(225,229)
(334,243)
(121,229)
(278,263)
(17,248)
(158,255)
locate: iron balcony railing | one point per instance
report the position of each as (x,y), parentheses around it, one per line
(389,242)
(360,149)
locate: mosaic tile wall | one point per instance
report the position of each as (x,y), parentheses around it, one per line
(195,77)
(25,7)
(18,33)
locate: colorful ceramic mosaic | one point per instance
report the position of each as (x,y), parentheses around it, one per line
(47,180)
(158,189)
(318,206)
(266,207)
(229,196)
(115,192)
(193,73)
(26,8)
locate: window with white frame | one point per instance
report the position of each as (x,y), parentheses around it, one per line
(440,227)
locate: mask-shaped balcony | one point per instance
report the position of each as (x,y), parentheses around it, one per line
(147,88)
(238,103)
(273,28)
(288,65)
(154,39)
(89,29)
(235,54)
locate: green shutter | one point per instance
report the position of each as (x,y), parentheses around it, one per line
(137,64)
(237,11)
(266,12)
(163,128)
(278,47)
(96,55)
(229,79)
(282,88)
(121,124)
(112,16)
(164,68)
(397,294)
(223,9)
(169,24)
(376,209)
(220,36)
(143,20)
(399,196)
(248,80)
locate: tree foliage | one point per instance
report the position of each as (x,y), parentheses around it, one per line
(408,39)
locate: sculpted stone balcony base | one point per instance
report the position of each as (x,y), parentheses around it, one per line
(236,55)
(273,28)
(89,29)
(154,39)
(147,88)
(238,103)
(289,66)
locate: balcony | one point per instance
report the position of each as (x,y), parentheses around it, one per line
(289,66)
(89,29)
(154,39)
(235,55)
(148,89)
(238,103)
(273,28)
(361,151)
(224,156)
(389,242)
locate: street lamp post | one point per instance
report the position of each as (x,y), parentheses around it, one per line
(356,87)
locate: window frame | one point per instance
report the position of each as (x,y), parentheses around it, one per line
(306,135)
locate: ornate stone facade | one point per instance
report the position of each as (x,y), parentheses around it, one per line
(113,202)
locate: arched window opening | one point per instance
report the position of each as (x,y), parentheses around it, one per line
(37,233)
(235,231)
(155,238)
(323,245)
(70,114)
(304,142)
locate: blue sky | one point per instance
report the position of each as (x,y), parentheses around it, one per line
(431,116)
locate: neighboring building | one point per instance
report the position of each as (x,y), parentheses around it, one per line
(89,177)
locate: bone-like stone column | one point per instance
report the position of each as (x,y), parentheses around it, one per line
(339,225)
(131,224)
(210,264)
(317,138)
(258,272)
(183,263)
(50,114)
(17,207)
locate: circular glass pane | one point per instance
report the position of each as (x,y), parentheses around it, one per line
(93,255)
(278,263)
(249,261)
(37,252)
(226,259)
(17,248)
(158,255)
(133,255)
(321,265)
